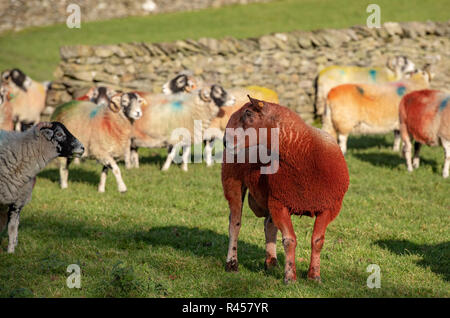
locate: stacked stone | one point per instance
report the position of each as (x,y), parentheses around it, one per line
(285,62)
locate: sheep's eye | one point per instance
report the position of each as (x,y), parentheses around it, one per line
(59,134)
(248,113)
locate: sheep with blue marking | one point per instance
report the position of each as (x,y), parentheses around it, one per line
(368,108)
(165,113)
(105,130)
(396,68)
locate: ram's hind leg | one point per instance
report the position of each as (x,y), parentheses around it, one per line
(116,171)
(270,231)
(317,240)
(282,220)
(186,157)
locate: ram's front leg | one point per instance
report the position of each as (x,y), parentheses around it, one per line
(235,194)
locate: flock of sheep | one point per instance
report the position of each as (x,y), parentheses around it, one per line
(107,125)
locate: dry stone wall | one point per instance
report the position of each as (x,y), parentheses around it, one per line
(285,62)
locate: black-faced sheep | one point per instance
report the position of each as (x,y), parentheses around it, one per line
(22,156)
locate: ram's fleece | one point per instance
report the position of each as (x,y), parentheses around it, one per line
(22,156)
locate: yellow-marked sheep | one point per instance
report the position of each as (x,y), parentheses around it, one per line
(368,108)
(335,75)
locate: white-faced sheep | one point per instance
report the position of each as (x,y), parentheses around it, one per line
(332,76)
(22,156)
(105,130)
(425,116)
(368,108)
(185,82)
(165,113)
(28,98)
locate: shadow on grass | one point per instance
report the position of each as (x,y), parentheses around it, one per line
(152,159)
(207,243)
(365,142)
(75,175)
(436,256)
(391,160)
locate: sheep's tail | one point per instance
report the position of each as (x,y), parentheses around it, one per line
(327,123)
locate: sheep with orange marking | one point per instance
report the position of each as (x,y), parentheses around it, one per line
(368,108)
(105,131)
(425,116)
(28,98)
(309,177)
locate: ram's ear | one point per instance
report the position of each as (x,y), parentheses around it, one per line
(390,63)
(256,103)
(115,103)
(44,129)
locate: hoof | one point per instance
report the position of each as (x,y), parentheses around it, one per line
(289,280)
(231,266)
(315,279)
(270,264)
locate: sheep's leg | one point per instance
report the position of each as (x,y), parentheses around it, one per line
(208,152)
(397,140)
(116,171)
(416,159)
(127,156)
(343,143)
(103,175)
(282,220)
(317,240)
(134,157)
(235,193)
(3,217)
(63,172)
(13,228)
(407,148)
(186,156)
(446,145)
(76,161)
(270,231)
(172,151)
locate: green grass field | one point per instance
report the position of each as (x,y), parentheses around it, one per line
(168,235)
(36,50)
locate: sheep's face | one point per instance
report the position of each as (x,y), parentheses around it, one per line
(17,77)
(422,76)
(101,95)
(400,65)
(218,95)
(253,119)
(180,83)
(129,103)
(65,143)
